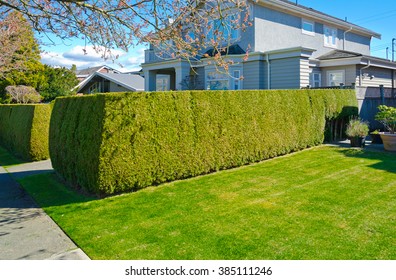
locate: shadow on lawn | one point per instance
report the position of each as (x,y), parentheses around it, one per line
(49,190)
(6,158)
(387,159)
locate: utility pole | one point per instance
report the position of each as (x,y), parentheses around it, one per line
(387,52)
(393,49)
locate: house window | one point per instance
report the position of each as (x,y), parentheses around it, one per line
(217,81)
(330,37)
(308,27)
(94,88)
(162,82)
(316,80)
(237,80)
(335,78)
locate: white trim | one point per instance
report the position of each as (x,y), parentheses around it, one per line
(236,79)
(103,75)
(306,32)
(334,34)
(313,80)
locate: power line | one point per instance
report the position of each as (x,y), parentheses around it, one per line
(369,18)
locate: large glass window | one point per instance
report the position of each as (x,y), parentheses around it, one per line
(224,30)
(330,37)
(217,81)
(94,88)
(163,82)
(335,78)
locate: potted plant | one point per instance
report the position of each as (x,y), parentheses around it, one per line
(357,131)
(387,116)
(375,137)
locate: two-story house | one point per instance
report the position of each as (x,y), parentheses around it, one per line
(290,46)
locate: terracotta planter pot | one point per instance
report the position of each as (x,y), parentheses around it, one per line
(358,142)
(389,141)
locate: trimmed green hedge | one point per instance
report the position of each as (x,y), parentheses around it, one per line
(24,130)
(117,142)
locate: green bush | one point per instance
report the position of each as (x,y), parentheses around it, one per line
(125,141)
(24,130)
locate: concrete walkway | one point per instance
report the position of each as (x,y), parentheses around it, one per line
(369,146)
(26,231)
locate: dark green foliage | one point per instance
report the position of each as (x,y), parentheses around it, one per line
(60,82)
(23,66)
(121,142)
(24,130)
(75,138)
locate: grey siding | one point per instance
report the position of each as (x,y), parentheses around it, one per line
(117,88)
(277,30)
(253,73)
(285,73)
(375,76)
(199,78)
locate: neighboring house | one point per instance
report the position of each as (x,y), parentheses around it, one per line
(111,82)
(85,73)
(290,46)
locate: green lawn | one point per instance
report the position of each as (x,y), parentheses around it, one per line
(321,203)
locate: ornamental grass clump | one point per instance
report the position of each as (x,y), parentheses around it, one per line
(357,128)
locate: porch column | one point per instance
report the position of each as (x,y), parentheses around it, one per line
(182,72)
(150,80)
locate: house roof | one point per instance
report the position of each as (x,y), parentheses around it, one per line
(129,81)
(89,71)
(309,13)
(231,50)
(340,57)
(338,54)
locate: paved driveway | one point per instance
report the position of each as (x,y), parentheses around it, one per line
(26,231)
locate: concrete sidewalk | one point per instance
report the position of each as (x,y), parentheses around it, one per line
(26,231)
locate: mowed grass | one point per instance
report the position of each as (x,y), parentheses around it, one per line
(321,203)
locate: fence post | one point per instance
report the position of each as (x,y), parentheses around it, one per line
(382,94)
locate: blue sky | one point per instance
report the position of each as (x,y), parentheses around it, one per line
(378,16)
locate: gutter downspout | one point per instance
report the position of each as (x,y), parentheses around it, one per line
(268,71)
(361,72)
(345,32)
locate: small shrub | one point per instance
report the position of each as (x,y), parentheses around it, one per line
(23,94)
(387,116)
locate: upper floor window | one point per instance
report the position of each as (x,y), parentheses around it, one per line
(224,29)
(308,27)
(330,37)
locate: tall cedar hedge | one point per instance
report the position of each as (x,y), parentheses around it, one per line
(24,130)
(119,142)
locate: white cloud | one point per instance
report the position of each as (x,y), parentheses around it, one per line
(89,58)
